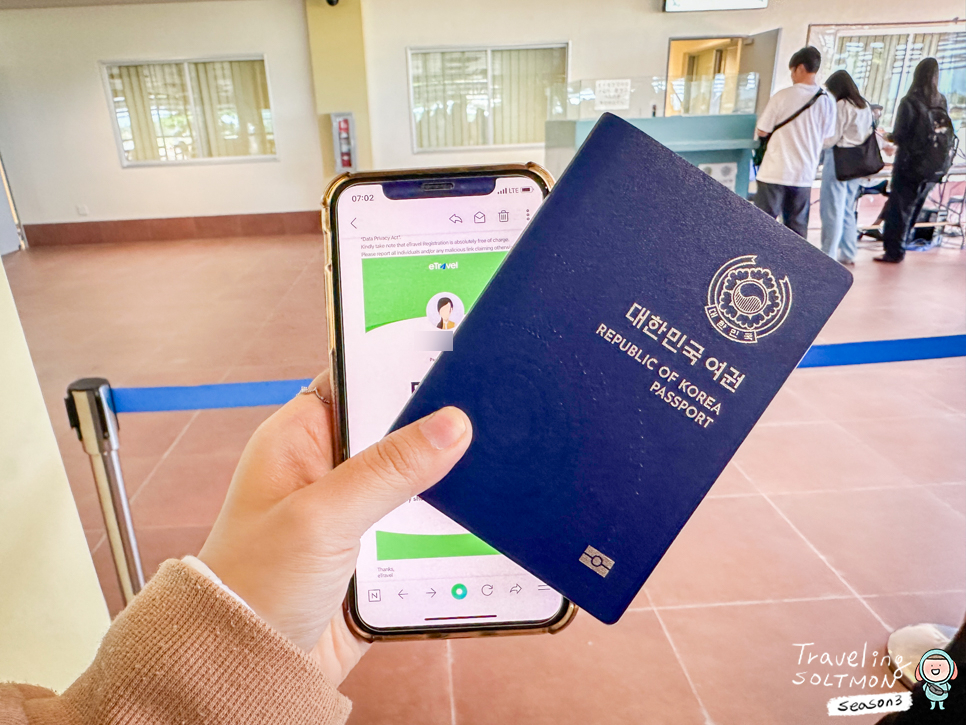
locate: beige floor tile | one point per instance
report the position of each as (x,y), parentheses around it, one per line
(952,494)
(739,549)
(927,449)
(401,683)
(732,482)
(902,610)
(814,457)
(588,673)
(744,660)
(185,490)
(885,541)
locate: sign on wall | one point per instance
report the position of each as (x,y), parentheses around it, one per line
(612,95)
(725,173)
(694,6)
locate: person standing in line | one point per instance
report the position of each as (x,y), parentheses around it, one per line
(853,126)
(792,155)
(924,134)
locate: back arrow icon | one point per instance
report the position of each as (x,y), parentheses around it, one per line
(353,223)
(402,594)
(456,219)
(431,592)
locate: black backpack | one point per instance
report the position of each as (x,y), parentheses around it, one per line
(935,144)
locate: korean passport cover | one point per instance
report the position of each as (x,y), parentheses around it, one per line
(623,351)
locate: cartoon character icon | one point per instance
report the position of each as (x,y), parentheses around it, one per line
(445,309)
(935,670)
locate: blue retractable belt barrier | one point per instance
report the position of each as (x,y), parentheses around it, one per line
(206,397)
(883,351)
(277,392)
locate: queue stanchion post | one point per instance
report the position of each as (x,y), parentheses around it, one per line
(90,409)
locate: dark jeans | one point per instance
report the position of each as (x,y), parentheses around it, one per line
(789,202)
(906,198)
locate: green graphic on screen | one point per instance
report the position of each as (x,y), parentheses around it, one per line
(398,288)
(390,546)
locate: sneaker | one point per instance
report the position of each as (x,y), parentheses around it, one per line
(908,644)
(888,259)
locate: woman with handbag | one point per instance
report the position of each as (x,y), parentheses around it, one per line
(851,153)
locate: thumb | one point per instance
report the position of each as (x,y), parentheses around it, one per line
(405,463)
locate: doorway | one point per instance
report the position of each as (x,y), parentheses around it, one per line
(716,76)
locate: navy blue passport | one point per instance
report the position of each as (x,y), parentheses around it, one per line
(621,354)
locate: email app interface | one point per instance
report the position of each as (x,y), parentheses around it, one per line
(410,270)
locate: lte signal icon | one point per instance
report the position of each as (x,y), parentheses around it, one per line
(504,216)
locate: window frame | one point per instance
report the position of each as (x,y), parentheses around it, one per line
(955,25)
(105,65)
(489,84)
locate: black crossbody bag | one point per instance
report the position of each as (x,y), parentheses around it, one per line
(759,154)
(857,162)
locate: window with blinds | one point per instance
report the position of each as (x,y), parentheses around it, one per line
(171,112)
(881,60)
(482,97)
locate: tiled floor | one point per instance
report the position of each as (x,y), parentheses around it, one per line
(842,517)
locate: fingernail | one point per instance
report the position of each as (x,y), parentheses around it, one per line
(443,428)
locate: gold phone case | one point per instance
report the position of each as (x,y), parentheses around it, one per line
(332,302)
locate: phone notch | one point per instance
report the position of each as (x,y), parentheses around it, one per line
(438,186)
(402,189)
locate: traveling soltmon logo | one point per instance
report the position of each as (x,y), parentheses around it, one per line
(746,301)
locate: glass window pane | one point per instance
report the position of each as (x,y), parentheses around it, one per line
(951,53)
(522,82)
(882,66)
(450,98)
(181,111)
(233,108)
(153,111)
(875,62)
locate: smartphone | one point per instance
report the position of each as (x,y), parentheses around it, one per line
(407,255)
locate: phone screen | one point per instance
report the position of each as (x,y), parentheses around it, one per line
(409,270)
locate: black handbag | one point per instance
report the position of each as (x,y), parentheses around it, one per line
(758,155)
(859,161)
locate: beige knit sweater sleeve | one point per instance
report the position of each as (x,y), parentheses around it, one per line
(185,651)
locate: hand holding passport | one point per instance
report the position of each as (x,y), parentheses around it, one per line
(622,353)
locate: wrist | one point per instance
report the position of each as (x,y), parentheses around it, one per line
(199,566)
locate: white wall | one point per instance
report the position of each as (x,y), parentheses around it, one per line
(616,38)
(52,612)
(55,120)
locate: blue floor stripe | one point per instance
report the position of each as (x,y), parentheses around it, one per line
(277,392)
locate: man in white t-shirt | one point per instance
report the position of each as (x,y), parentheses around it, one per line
(791,159)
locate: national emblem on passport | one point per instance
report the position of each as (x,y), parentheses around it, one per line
(746,301)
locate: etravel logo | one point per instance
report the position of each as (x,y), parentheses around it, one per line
(444,265)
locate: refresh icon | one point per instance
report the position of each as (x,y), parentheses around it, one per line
(486,590)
